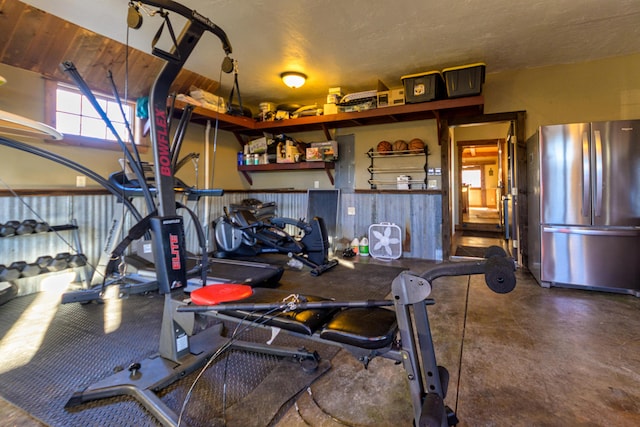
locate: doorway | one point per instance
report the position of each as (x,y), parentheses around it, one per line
(484,168)
(480,176)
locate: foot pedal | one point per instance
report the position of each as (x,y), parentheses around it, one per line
(452,419)
(444,380)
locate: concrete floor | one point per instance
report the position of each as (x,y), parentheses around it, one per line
(534,357)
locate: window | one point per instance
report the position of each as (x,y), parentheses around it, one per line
(71,113)
(472,177)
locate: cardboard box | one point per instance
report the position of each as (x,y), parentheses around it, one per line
(327,149)
(290,154)
(390,98)
(313,154)
(330,109)
(258,146)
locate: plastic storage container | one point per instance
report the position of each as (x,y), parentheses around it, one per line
(465,80)
(385,241)
(423,87)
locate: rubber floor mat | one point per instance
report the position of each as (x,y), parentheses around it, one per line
(49,351)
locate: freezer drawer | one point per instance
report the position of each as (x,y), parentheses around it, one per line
(591,257)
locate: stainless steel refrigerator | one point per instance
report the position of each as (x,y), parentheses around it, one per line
(584,206)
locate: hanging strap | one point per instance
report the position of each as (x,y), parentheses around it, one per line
(230,109)
(159,52)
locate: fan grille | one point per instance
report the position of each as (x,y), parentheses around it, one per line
(385,241)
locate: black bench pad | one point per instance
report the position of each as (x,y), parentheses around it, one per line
(369,328)
(305,321)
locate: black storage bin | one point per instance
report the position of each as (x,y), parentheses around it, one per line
(423,87)
(465,80)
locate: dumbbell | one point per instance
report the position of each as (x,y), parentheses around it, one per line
(26,227)
(42,262)
(18,265)
(8,229)
(59,262)
(8,274)
(77,260)
(30,270)
(25,269)
(41,227)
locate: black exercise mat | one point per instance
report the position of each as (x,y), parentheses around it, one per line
(470,251)
(346,281)
(49,351)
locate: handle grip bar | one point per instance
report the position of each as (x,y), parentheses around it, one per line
(498,270)
(194,17)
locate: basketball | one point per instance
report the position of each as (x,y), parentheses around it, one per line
(384,147)
(400,146)
(416,145)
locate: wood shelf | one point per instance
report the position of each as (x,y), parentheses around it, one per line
(326,166)
(244,127)
(449,108)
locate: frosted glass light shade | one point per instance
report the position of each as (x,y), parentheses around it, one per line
(293,79)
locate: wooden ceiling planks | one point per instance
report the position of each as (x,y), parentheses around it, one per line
(34,40)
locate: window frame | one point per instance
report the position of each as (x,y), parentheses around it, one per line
(51,87)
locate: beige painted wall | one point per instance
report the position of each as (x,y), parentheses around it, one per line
(599,90)
(607,89)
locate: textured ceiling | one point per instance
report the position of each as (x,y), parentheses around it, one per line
(353,43)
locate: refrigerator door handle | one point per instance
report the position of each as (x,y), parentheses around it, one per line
(632,231)
(598,187)
(586,187)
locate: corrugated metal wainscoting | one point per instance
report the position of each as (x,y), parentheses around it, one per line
(418,215)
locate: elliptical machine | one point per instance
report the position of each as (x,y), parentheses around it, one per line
(251,228)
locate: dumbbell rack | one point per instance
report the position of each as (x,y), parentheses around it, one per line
(43,264)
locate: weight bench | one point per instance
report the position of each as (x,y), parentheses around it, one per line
(364,328)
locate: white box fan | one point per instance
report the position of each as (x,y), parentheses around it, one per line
(385,241)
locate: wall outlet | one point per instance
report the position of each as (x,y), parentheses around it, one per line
(351,210)
(81,181)
(316,184)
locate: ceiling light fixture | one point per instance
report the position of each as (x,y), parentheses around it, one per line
(293,79)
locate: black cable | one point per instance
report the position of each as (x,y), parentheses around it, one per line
(70,68)
(75,166)
(234,337)
(127,125)
(464,328)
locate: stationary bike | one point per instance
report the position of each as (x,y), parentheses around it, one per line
(252,228)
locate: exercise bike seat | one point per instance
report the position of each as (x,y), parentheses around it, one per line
(245,219)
